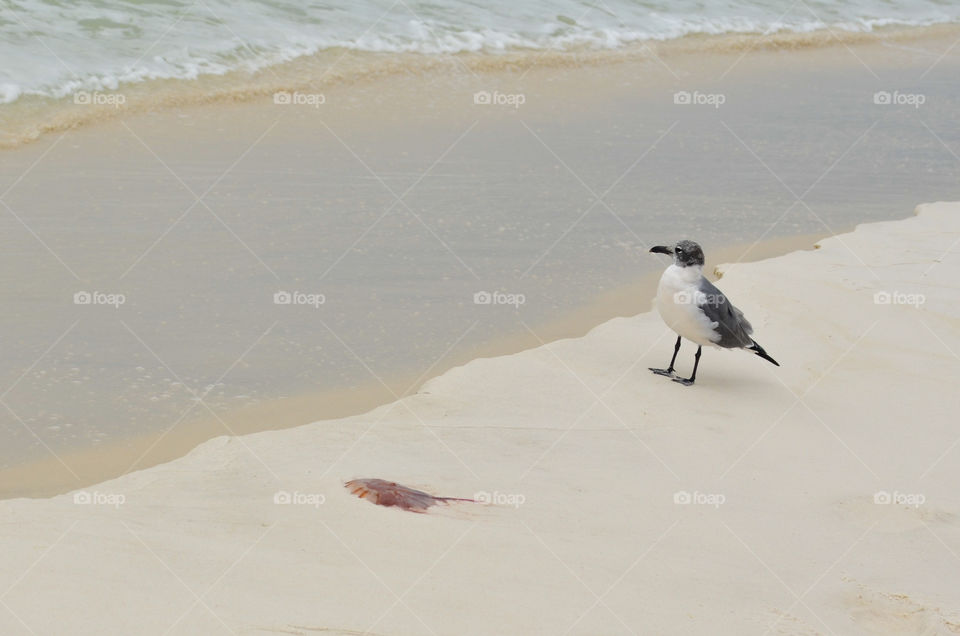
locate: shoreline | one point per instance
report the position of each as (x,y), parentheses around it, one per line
(52,476)
(307,179)
(33,118)
(762,480)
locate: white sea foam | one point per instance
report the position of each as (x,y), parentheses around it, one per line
(55,49)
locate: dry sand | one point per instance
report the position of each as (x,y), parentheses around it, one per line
(588,454)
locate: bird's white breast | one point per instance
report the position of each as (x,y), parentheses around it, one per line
(676,302)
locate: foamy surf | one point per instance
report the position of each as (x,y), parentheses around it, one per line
(53,50)
(26,116)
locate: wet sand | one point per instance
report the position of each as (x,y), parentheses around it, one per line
(83,467)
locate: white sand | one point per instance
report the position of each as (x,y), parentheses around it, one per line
(597,446)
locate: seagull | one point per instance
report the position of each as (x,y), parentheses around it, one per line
(696,310)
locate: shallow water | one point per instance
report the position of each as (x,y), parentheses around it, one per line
(553,202)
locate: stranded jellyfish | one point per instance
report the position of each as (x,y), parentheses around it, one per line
(390,493)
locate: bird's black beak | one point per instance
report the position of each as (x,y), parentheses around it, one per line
(660,249)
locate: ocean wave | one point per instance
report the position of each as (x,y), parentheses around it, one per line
(54,50)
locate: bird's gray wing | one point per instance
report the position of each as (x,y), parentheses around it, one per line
(732,327)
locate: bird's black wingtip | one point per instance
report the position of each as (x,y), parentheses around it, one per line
(758,350)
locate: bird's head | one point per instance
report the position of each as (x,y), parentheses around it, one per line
(684,253)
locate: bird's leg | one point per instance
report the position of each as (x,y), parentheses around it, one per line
(693,376)
(669,370)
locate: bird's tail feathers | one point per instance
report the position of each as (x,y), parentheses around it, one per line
(758,350)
